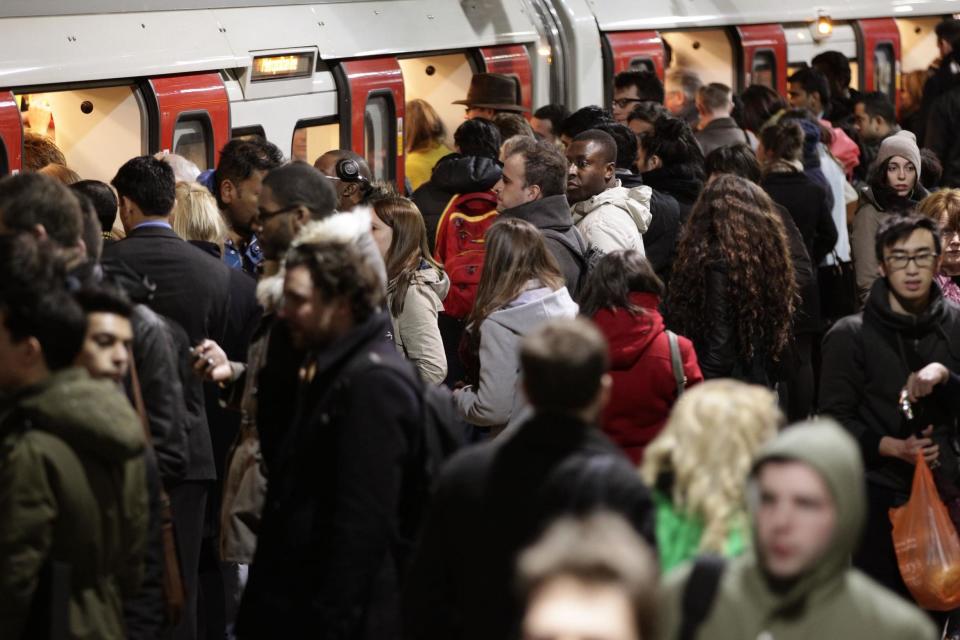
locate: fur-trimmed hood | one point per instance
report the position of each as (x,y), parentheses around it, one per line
(350,226)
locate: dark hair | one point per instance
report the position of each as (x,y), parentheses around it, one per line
(240,157)
(785,139)
(339,270)
(948,31)
(876,104)
(736,159)
(478,137)
(834,65)
(563,362)
(930,169)
(583,120)
(30,264)
(103,198)
(90,231)
(760,103)
(512,124)
(544,165)
(39,151)
(734,226)
(897,227)
(614,278)
(648,112)
(603,139)
(149,183)
(649,87)
(29,199)
(626,143)
(298,183)
(812,81)
(555,113)
(104,299)
(672,140)
(53,317)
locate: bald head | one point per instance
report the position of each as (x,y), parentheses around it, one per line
(353,179)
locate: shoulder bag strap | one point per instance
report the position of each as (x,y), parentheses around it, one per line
(699,594)
(676,362)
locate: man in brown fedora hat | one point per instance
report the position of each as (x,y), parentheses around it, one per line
(489,94)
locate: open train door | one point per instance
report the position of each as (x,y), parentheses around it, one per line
(879,40)
(511,60)
(371,101)
(189,116)
(763,51)
(11,134)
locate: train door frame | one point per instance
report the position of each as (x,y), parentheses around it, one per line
(11,135)
(511,60)
(622,48)
(872,34)
(754,39)
(360,80)
(198,97)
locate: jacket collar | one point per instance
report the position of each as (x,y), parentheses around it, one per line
(720,123)
(376,327)
(560,430)
(153,231)
(552,211)
(878,310)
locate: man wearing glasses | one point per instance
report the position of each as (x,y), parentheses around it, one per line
(887,377)
(630,88)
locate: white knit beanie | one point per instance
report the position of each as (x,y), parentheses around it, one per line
(903,144)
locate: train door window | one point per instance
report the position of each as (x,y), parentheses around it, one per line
(884,78)
(439,80)
(4,162)
(855,74)
(245,133)
(313,138)
(642,64)
(379,139)
(706,52)
(193,139)
(763,69)
(97,129)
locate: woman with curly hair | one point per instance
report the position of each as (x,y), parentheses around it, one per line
(733,291)
(698,478)
(416,284)
(520,289)
(671,161)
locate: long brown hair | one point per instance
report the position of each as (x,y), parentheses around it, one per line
(515,254)
(424,127)
(407,247)
(734,224)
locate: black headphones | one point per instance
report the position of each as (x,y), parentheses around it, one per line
(348,170)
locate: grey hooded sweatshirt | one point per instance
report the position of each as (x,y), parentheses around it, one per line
(831,600)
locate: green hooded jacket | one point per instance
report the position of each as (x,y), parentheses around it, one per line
(832,600)
(72,492)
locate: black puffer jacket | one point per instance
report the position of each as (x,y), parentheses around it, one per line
(660,239)
(454,175)
(943,120)
(684,182)
(866,361)
(551,215)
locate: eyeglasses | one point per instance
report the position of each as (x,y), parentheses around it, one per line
(922,260)
(263,215)
(625,102)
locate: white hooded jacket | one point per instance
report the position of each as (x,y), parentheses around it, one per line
(615,219)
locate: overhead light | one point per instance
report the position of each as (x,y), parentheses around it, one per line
(823,27)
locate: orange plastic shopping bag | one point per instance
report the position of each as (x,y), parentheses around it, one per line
(928,548)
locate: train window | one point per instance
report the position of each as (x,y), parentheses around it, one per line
(884,78)
(313,138)
(245,133)
(642,64)
(763,69)
(97,129)
(379,136)
(854,74)
(193,139)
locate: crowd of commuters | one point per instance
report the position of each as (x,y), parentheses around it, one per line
(601,374)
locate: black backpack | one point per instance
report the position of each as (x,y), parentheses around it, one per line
(587,257)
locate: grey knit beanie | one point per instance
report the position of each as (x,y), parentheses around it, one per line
(903,144)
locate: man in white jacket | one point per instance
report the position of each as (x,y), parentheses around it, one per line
(610,217)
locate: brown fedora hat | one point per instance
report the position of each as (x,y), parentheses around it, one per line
(492,91)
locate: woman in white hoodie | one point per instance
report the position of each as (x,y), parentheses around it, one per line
(521,287)
(416,284)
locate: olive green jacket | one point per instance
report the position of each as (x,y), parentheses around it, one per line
(72,492)
(831,600)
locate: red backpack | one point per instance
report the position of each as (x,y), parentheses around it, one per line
(460,247)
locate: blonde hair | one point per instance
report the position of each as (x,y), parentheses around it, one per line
(708,445)
(912,84)
(425,129)
(196,216)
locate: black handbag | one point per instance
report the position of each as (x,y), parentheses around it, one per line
(838,290)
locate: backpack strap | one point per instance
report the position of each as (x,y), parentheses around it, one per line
(699,594)
(676,362)
(579,252)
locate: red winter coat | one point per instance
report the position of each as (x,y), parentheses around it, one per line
(644,387)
